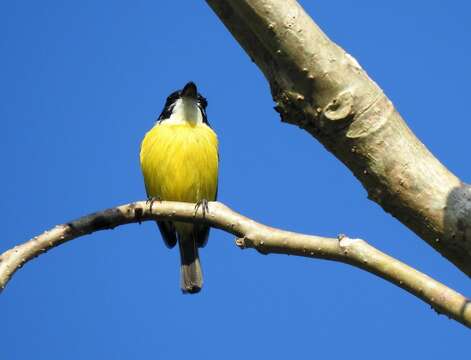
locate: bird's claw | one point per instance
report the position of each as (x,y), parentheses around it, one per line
(150,201)
(204,205)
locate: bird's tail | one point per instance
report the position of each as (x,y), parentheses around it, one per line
(191,275)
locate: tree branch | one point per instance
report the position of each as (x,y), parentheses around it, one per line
(319,87)
(250,234)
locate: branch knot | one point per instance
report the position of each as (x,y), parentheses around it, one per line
(338,112)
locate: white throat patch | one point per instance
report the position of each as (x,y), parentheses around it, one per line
(186,110)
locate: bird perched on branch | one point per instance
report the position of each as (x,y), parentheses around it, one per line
(179,161)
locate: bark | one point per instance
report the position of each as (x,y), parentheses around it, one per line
(250,234)
(322,89)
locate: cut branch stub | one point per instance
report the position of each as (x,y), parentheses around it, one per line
(338,113)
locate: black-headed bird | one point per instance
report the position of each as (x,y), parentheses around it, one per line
(179,161)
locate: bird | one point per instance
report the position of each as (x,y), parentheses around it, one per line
(179,161)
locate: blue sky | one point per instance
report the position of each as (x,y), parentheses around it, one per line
(81,84)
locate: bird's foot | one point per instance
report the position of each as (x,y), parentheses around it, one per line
(150,201)
(203,204)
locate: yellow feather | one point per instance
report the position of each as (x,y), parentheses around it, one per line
(180,162)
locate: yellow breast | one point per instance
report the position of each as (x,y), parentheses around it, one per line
(180,162)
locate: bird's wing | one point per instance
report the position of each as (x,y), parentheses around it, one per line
(167,230)
(202,231)
(168,233)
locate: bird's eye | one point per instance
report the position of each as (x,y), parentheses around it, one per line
(202,102)
(172,98)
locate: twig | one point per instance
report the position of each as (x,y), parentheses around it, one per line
(250,234)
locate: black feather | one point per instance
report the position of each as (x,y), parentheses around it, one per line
(168,233)
(167,110)
(173,97)
(167,230)
(201,234)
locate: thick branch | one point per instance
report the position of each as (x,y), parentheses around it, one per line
(250,234)
(322,89)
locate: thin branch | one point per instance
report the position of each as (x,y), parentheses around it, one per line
(250,234)
(319,87)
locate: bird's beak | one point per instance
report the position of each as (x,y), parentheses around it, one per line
(190,90)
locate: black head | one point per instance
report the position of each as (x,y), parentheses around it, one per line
(189,91)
